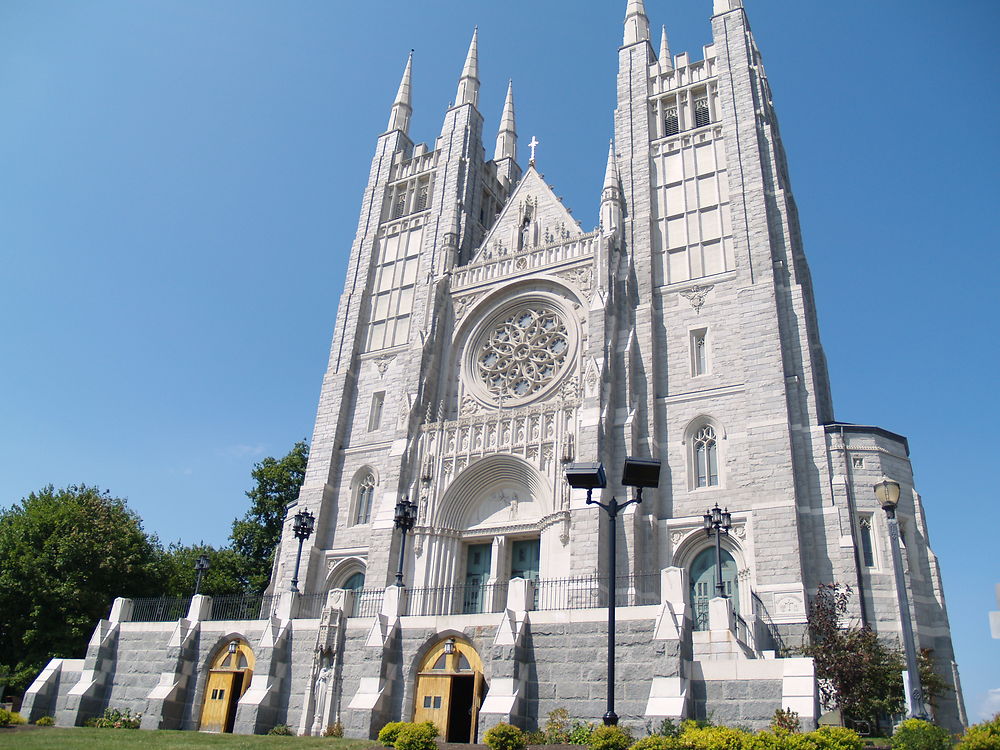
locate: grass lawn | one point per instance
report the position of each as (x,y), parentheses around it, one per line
(46,738)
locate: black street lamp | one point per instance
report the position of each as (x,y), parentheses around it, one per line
(718,522)
(302,527)
(405,518)
(638,473)
(887,492)
(200,566)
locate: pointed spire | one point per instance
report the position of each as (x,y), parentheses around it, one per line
(611,181)
(665,58)
(636,23)
(507,137)
(402,107)
(468,84)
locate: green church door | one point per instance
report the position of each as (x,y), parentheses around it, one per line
(703,584)
(477,573)
(524,556)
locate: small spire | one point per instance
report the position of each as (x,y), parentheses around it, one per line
(402,107)
(507,137)
(468,84)
(665,58)
(611,181)
(636,23)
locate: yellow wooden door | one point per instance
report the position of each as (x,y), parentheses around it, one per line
(433,701)
(477,701)
(218,696)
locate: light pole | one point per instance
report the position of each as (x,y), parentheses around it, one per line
(718,522)
(638,473)
(302,527)
(887,492)
(405,518)
(200,566)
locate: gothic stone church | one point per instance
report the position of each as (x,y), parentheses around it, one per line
(484,340)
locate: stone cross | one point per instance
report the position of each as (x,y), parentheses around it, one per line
(534,142)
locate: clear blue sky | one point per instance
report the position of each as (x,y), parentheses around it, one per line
(180,184)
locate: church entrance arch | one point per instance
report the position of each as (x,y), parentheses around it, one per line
(228,678)
(450,689)
(703,582)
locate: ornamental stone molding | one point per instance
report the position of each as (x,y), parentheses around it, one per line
(581,277)
(382,364)
(696,295)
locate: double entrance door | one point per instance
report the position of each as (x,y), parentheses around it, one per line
(450,690)
(477,595)
(228,678)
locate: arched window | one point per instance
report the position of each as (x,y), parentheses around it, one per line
(355,582)
(670,122)
(365,494)
(704,584)
(706,457)
(702,114)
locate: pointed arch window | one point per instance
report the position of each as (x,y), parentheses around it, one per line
(365,495)
(867,548)
(702,114)
(706,457)
(671,125)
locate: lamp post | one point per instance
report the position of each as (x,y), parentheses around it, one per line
(200,566)
(405,518)
(302,527)
(887,493)
(638,473)
(719,522)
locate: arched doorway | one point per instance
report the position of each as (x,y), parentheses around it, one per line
(703,580)
(450,689)
(355,584)
(228,678)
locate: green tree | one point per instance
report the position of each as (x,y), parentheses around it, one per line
(176,574)
(856,671)
(256,535)
(64,556)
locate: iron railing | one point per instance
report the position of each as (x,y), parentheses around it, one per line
(311,606)
(241,607)
(160,608)
(590,592)
(762,616)
(456,600)
(366,603)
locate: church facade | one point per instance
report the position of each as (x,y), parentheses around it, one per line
(485,340)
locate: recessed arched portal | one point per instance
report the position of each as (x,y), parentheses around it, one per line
(228,678)
(450,689)
(703,584)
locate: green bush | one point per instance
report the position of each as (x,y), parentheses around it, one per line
(4,717)
(984,736)
(505,737)
(610,738)
(115,718)
(825,738)
(387,734)
(536,738)
(657,742)
(417,737)
(914,734)
(45,721)
(281,730)
(334,730)
(667,728)
(785,720)
(16,718)
(557,727)
(712,738)
(580,733)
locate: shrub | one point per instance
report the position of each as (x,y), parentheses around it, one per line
(984,736)
(580,733)
(417,737)
(657,742)
(914,734)
(785,720)
(16,718)
(4,717)
(387,734)
(557,727)
(281,730)
(537,738)
(712,738)
(505,737)
(334,730)
(45,721)
(115,718)
(834,738)
(610,738)
(667,728)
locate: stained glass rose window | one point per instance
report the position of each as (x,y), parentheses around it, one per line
(523,353)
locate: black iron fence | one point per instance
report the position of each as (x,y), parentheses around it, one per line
(589,592)
(366,603)
(456,600)
(241,607)
(765,624)
(160,608)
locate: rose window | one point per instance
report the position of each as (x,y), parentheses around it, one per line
(523,353)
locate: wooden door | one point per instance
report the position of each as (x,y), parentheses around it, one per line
(218,698)
(433,701)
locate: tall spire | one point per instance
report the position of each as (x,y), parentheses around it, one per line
(402,107)
(507,137)
(468,84)
(611,181)
(611,196)
(636,23)
(665,59)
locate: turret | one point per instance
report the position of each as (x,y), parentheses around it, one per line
(468,84)
(611,196)
(636,23)
(666,61)
(505,155)
(402,107)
